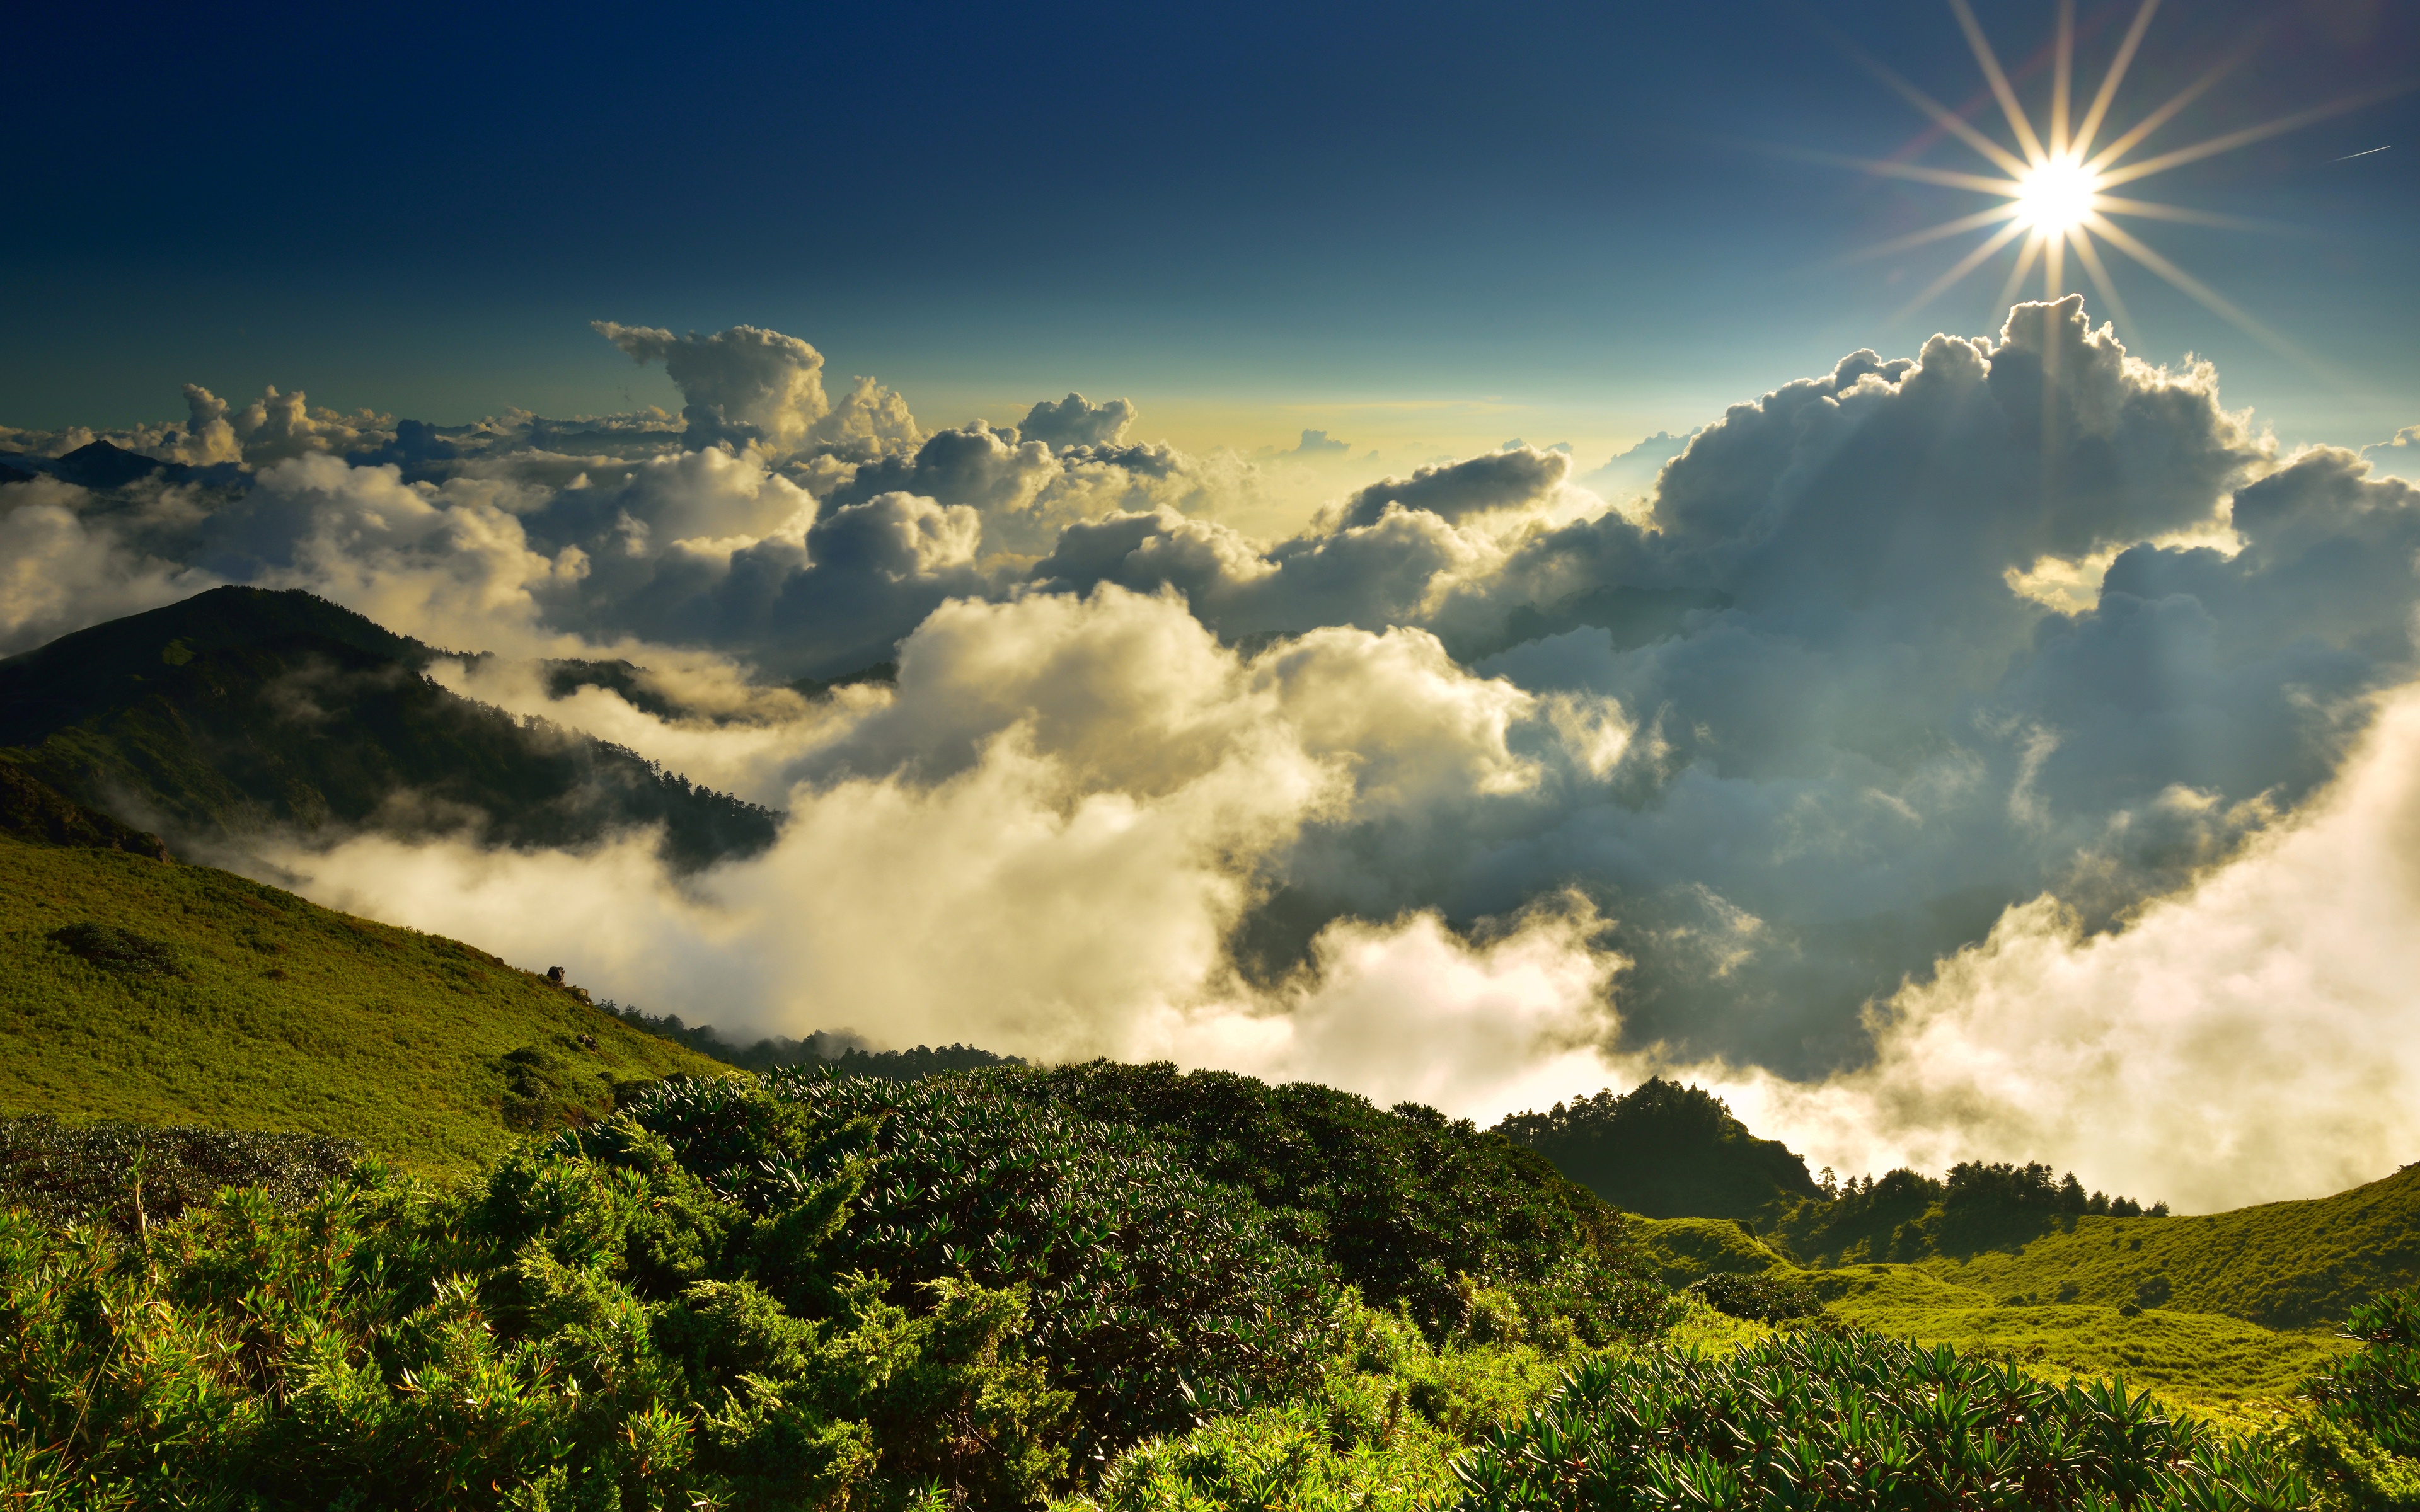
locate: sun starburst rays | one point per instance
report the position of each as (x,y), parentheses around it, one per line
(2054,188)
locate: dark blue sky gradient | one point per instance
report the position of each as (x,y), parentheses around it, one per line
(419,211)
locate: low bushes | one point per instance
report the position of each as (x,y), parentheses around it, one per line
(132,1175)
(1759,1299)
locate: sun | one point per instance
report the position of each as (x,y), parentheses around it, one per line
(2055,197)
(2054,183)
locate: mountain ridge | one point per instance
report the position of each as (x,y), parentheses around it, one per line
(241,711)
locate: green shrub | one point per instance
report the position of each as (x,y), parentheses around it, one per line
(1158,1293)
(2362,1437)
(1409,1207)
(116,949)
(1759,1299)
(789,1290)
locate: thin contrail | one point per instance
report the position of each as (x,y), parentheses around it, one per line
(2350,156)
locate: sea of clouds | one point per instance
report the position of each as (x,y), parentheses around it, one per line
(2005,751)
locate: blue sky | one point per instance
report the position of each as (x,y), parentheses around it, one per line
(1401,221)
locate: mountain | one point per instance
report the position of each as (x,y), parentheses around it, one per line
(137,989)
(242,710)
(101,465)
(1666,1150)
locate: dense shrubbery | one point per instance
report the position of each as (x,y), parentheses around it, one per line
(804,1290)
(1405,1203)
(121,950)
(132,1175)
(1154,1288)
(990,1287)
(1810,1420)
(591,1331)
(2362,1436)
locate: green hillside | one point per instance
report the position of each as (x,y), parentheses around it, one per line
(141,990)
(2282,1264)
(2202,1359)
(241,710)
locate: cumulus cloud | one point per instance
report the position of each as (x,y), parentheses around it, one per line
(59,573)
(1909,682)
(1077,422)
(747,386)
(1516,477)
(1045,818)
(2249,1039)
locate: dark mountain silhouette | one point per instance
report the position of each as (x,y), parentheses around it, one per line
(101,465)
(241,711)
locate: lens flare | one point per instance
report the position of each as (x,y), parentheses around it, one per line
(2053,188)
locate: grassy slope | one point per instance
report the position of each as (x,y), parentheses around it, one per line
(2284,1264)
(2201,1359)
(286,1015)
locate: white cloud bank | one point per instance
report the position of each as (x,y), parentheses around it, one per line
(1995,678)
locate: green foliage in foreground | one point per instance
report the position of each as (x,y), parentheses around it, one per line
(1381,1430)
(799,1290)
(572,1333)
(138,990)
(1812,1421)
(1725,1414)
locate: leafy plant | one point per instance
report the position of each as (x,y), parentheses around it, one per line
(589,1326)
(1814,1420)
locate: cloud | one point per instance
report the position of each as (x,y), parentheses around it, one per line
(2249,1039)
(1928,674)
(59,574)
(747,386)
(1515,478)
(1076,422)
(1031,841)
(1318,443)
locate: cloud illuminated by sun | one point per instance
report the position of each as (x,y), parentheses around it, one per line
(2055,187)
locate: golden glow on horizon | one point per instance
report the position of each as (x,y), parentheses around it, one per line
(2053,187)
